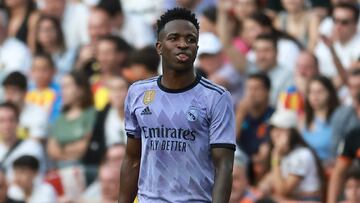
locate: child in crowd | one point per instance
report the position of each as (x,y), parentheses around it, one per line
(352,186)
(24,187)
(44,92)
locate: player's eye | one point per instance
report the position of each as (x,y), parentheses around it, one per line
(191,40)
(172,38)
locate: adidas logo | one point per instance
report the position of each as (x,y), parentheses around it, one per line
(146,111)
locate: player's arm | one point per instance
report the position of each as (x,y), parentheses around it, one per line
(223,159)
(130,171)
(337,179)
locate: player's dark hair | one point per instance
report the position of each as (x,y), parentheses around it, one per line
(351,7)
(28,162)
(176,14)
(16,79)
(47,57)
(268,37)
(263,78)
(210,13)
(147,57)
(120,44)
(332,100)
(12,107)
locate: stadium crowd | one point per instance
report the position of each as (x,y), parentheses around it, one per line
(292,67)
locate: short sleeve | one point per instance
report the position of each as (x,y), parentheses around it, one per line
(300,162)
(131,124)
(349,148)
(222,123)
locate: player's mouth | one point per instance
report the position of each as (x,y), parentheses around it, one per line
(182,57)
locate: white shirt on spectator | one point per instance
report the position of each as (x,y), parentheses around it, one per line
(36,126)
(148,11)
(301,162)
(136,32)
(114,128)
(347,53)
(42,193)
(74,24)
(26,147)
(14,56)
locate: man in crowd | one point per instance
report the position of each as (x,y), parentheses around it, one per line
(30,126)
(11,148)
(346,40)
(306,68)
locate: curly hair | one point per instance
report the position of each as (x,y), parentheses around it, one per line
(176,14)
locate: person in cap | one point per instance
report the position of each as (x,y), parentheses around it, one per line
(295,170)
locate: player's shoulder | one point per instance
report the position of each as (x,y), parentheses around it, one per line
(143,84)
(212,87)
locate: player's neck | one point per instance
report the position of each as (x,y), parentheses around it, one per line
(178,80)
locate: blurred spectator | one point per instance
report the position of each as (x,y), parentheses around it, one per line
(252,115)
(4,188)
(298,22)
(306,68)
(50,39)
(352,186)
(349,155)
(296,173)
(109,124)
(241,192)
(71,132)
(22,20)
(142,64)
(347,117)
(196,6)
(44,92)
(106,188)
(99,25)
(73,16)
(30,126)
(131,28)
(266,52)
(207,20)
(327,24)
(344,40)
(24,187)
(320,103)
(14,54)
(149,11)
(111,55)
(253,26)
(11,147)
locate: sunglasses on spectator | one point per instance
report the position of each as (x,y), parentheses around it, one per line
(343,21)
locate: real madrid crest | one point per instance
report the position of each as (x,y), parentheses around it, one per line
(192,114)
(149,96)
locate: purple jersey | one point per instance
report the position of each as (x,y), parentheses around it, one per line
(177,131)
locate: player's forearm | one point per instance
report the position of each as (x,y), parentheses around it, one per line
(129,179)
(223,183)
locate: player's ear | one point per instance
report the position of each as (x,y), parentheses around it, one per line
(158,47)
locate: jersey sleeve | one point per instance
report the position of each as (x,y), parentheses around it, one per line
(222,123)
(131,124)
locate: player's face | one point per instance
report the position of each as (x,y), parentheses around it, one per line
(177,45)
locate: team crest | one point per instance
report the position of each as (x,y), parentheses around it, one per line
(149,96)
(192,114)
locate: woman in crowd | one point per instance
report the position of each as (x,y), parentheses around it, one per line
(50,39)
(297,21)
(320,102)
(295,171)
(71,132)
(22,16)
